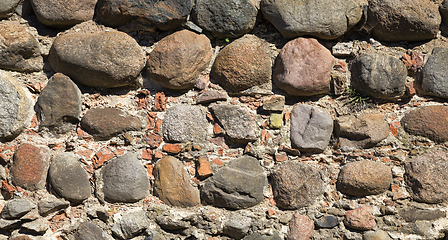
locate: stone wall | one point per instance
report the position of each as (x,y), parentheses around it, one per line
(182,119)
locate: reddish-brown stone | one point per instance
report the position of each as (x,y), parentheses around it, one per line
(159,102)
(300,228)
(429,121)
(30,166)
(101,157)
(204,169)
(153,140)
(173,148)
(360,218)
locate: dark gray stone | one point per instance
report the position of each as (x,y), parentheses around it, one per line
(327,222)
(63,14)
(237,227)
(107,59)
(259,236)
(51,204)
(59,104)
(426,176)
(7,7)
(296,185)
(185,123)
(16,208)
(363,178)
(90,231)
(404,20)
(238,185)
(104,123)
(434,75)
(311,128)
(19,49)
(14,107)
(326,19)
(225,19)
(171,221)
(124,179)
(165,15)
(238,122)
(68,178)
(379,75)
(412,214)
(131,223)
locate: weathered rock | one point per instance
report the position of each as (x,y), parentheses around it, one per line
(243,64)
(59,104)
(403,20)
(237,227)
(173,220)
(376,235)
(274,103)
(238,185)
(296,185)
(325,19)
(10,224)
(7,8)
(225,19)
(39,226)
(275,120)
(90,231)
(427,121)
(327,222)
(300,228)
(19,49)
(16,208)
(211,96)
(124,179)
(238,122)
(105,59)
(172,184)
(165,15)
(425,175)
(360,218)
(412,214)
(361,131)
(51,204)
(311,128)
(434,73)
(185,123)
(259,236)
(363,178)
(68,178)
(178,60)
(30,166)
(104,123)
(303,68)
(63,14)
(379,75)
(131,223)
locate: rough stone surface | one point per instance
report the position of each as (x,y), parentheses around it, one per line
(7,7)
(165,15)
(238,185)
(324,19)
(361,131)
(14,107)
(39,226)
(413,214)
(104,123)
(16,208)
(303,68)
(89,231)
(30,166)
(51,204)
(434,74)
(185,123)
(296,185)
(428,121)
(259,236)
(59,104)
(425,175)
(360,218)
(311,128)
(404,20)
(172,184)
(68,178)
(242,64)
(363,178)
(124,179)
(225,19)
(327,222)
(237,227)
(274,103)
(105,59)
(178,59)
(300,228)
(63,14)
(379,75)
(19,49)
(238,122)
(376,235)
(131,223)
(211,96)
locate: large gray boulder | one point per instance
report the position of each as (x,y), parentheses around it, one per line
(326,19)
(7,7)
(434,75)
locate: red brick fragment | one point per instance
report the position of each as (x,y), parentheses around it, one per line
(204,169)
(173,148)
(101,157)
(159,102)
(147,154)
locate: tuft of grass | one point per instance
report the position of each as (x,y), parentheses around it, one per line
(355,97)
